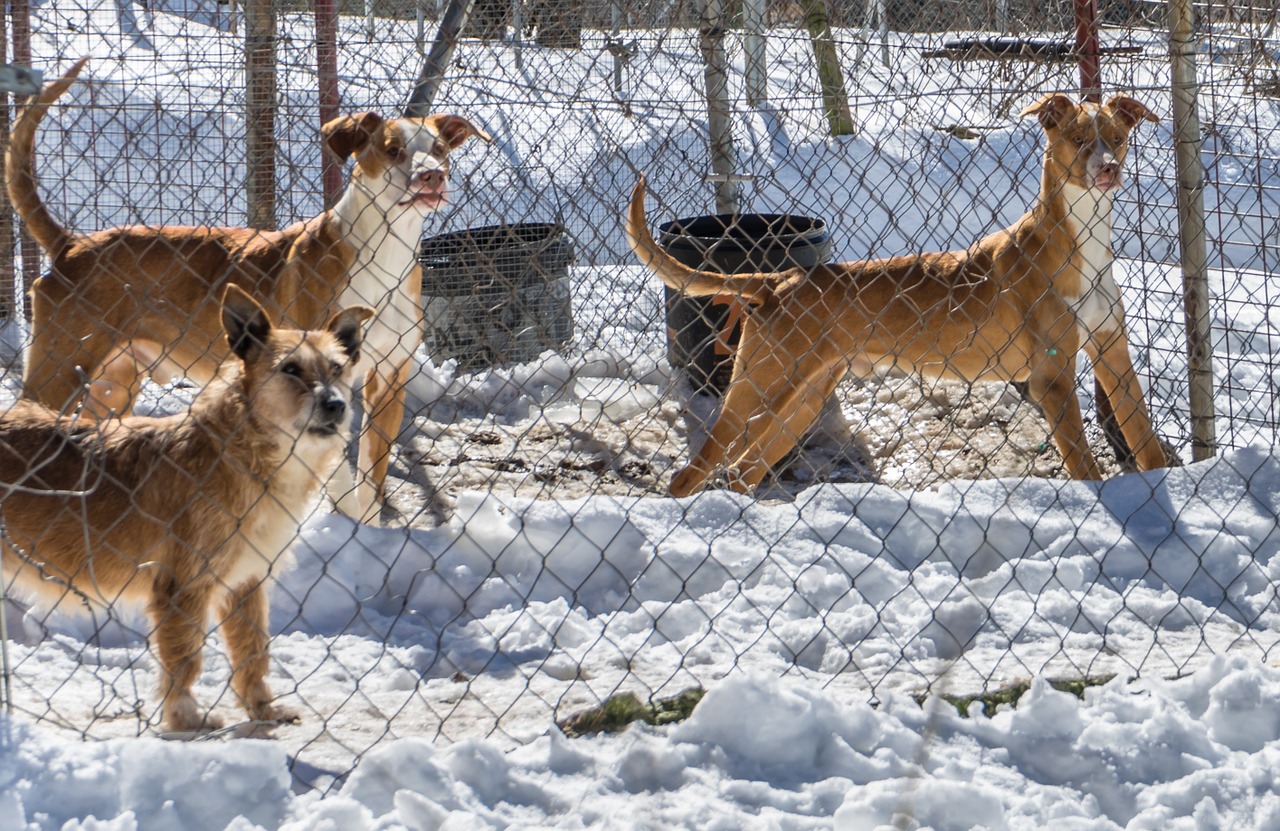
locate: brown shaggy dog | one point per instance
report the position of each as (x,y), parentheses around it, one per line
(188,513)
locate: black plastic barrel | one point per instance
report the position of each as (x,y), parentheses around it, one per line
(702,332)
(496,295)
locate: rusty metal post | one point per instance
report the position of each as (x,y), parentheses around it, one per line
(1088,51)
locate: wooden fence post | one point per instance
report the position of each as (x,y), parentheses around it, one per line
(327,90)
(260,112)
(8,245)
(30,251)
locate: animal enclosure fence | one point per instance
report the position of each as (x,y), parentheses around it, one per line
(921,539)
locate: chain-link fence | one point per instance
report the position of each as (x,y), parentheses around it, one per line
(531,564)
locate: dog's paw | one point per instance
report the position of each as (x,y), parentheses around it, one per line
(687,482)
(265,719)
(276,714)
(184,717)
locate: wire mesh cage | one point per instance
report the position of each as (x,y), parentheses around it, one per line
(518,426)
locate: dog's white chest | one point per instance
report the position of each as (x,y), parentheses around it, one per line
(270,527)
(394,333)
(1098,307)
(380,278)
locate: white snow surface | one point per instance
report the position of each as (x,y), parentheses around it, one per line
(923,544)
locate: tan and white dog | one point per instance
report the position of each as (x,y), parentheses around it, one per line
(121,304)
(188,514)
(1017,305)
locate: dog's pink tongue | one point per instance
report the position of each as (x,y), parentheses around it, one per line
(1108,179)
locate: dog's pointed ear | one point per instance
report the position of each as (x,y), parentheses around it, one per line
(349,134)
(1052,110)
(245,322)
(348,327)
(1131,111)
(453,130)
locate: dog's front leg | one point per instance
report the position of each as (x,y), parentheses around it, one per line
(244,626)
(179,610)
(1052,386)
(1109,353)
(384,391)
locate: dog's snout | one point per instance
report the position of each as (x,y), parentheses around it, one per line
(332,406)
(1105,156)
(433,179)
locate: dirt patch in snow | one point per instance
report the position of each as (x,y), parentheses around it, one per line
(897,431)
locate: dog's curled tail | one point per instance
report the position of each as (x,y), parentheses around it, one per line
(676,274)
(20,166)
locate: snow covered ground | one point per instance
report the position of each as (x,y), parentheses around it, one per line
(922,542)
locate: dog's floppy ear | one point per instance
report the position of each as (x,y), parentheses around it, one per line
(348,327)
(1052,109)
(1131,111)
(246,324)
(453,130)
(349,134)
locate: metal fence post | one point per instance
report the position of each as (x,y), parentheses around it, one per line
(433,68)
(716,71)
(757,64)
(1191,227)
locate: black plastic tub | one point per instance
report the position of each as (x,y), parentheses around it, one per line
(702,332)
(496,295)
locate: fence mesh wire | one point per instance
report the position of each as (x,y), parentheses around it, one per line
(531,564)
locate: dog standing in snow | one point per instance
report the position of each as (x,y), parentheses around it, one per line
(126,303)
(187,514)
(1018,305)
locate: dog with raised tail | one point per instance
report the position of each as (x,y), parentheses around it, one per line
(1017,305)
(130,302)
(188,514)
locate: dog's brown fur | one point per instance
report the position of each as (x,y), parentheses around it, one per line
(125,303)
(1017,305)
(187,514)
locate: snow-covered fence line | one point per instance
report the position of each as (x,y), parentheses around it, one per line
(532,565)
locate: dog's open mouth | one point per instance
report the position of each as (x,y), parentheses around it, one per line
(323,430)
(1107,180)
(430,199)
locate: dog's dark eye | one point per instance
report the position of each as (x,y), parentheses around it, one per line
(335,369)
(1079,140)
(395,153)
(292,369)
